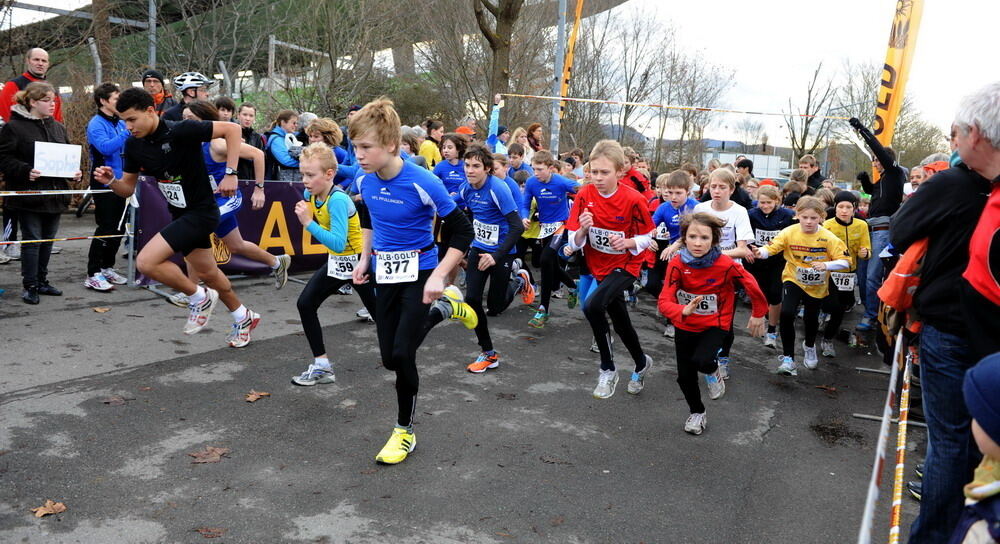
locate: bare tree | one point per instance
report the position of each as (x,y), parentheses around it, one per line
(699,84)
(751,134)
(806,132)
(498,29)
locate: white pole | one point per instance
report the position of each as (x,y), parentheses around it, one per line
(152,34)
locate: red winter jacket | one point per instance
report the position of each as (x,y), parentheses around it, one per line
(18,84)
(717,284)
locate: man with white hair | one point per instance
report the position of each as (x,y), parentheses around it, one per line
(977,134)
(945,213)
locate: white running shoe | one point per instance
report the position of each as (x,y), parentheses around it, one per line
(240,335)
(113,276)
(346,289)
(364,315)
(696,423)
(595,349)
(716,385)
(607,380)
(199,315)
(97,282)
(669,332)
(56,250)
(771,340)
(179,299)
(724,368)
(635,383)
(315,375)
(4,259)
(828,350)
(787,366)
(281,273)
(810,360)
(14,252)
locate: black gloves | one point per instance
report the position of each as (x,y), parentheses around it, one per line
(856,123)
(864,177)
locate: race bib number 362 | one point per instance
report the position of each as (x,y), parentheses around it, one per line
(397,266)
(808,276)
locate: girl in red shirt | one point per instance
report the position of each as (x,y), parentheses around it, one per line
(698,297)
(612,221)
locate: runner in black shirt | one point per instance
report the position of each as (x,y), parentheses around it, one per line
(171,152)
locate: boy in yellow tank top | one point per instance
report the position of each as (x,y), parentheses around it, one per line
(852,231)
(811,252)
(332,219)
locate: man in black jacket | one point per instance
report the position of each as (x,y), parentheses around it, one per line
(887,195)
(811,166)
(945,212)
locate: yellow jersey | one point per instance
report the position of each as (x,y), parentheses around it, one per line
(801,250)
(854,235)
(321,214)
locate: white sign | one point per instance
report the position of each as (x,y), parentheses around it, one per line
(57,160)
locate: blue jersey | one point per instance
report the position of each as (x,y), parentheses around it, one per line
(402,210)
(489,204)
(217,170)
(667,219)
(525,167)
(515,191)
(452,175)
(553,205)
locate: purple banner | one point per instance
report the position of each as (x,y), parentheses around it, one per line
(275,228)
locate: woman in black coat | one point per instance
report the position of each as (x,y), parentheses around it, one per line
(31,121)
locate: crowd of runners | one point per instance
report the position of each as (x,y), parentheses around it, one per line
(409,214)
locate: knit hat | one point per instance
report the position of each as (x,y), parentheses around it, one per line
(502,130)
(767,181)
(845,196)
(152,74)
(982,382)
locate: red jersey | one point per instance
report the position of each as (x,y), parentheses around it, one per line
(983,272)
(625,214)
(18,84)
(717,284)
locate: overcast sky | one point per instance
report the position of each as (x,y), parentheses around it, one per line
(774,45)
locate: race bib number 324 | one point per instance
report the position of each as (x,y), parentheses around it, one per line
(174,194)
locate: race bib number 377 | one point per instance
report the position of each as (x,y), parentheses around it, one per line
(397,266)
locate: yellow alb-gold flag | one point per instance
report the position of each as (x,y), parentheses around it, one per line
(902,42)
(568,65)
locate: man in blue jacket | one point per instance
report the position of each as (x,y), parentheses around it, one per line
(106,135)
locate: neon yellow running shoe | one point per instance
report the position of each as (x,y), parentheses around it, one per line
(460,311)
(401,443)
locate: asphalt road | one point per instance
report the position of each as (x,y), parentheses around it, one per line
(521,454)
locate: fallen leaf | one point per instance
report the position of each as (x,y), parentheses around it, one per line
(254,396)
(116,400)
(145,388)
(506,396)
(556,521)
(50,507)
(102,309)
(828,388)
(211,532)
(369,471)
(210,454)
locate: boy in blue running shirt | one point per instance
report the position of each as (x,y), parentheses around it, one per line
(675,189)
(399,199)
(497,226)
(550,192)
(451,170)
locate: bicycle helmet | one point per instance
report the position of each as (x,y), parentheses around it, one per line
(191,80)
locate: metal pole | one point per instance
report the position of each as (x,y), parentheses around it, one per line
(152,34)
(270,58)
(557,80)
(98,67)
(226,80)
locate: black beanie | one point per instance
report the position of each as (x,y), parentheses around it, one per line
(845,196)
(153,74)
(980,390)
